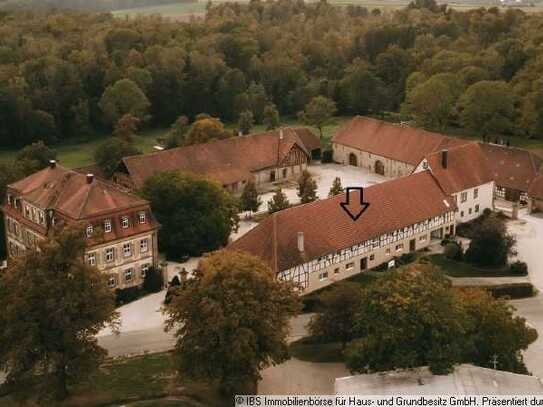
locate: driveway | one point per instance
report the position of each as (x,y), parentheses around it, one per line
(529,233)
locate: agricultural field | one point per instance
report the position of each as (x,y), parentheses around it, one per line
(183,11)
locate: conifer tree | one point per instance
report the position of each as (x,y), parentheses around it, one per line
(336,188)
(250,201)
(278,202)
(307,187)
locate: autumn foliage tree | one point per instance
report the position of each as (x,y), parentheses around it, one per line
(231,321)
(53,305)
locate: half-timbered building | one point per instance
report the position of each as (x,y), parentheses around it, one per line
(265,157)
(318,243)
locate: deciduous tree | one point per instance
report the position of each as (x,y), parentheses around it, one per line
(490,243)
(231,321)
(197,215)
(53,305)
(123,97)
(246,122)
(108,155)
(271,117)
(318,112)
(205,129)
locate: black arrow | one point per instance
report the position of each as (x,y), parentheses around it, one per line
(354,207)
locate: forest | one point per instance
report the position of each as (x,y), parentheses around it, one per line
(70,74)
(87,5)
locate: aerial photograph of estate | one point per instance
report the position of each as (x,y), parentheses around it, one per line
(300,203)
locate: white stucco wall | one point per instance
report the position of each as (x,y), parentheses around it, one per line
(473,206)
(393,168)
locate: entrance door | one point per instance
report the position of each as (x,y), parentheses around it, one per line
(379,167)
(353,160)
(412,245)
(364,263)
(272,176)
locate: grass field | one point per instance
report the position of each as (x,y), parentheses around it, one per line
(146,380)
(184,10)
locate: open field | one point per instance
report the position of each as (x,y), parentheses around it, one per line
(185,10)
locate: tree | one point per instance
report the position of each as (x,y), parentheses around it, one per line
(246,122)
(108,156)
(318,112)
(231,321)
(126,127)
(490,243)
(37,155)
(249,200)
(336,319)
(123,97)
(177,132)
(271,117)
(495,332)
(197,215)
(307,187)
(408,318)
(205,129)
(65,303)
(152,282)
(336,188)
(487,107)
(278,202)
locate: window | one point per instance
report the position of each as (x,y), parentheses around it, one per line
(399,247)
(323,276)
(144,245)
(128,274)
(463,197)
(475,193)
(91,259)
(89,230)
(127,249)
(107,225)
(10,201)
(462,214)
(110,254)
(470,210)
(349,266)
(124,222)
(141,217)
(27,211)
(284,172)
(476,208)
(34,214)
(387,252)
(372,257)
(42,217)
(336,270)
(422,238)
(112,281)
(144,270)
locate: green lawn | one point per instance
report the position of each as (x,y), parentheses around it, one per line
(461,269)
(144,378)
(308,350)
(79,153)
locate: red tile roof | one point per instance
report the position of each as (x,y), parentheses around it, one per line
(512,167)
(327,228)
(227,161)
(400,143)
(466,168)
(69,193)
(536,188)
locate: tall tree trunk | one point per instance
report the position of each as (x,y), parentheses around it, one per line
(62,389)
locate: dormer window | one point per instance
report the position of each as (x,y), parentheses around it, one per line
(10,200)
(124,222)
(141,217)
(90,229)
(41,217)
(107,225)
(27,211)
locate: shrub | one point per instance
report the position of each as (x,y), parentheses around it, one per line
(453,251)
(405,258)
(328,156)
(153,281)
(512,291)
(126,295)
(519,268)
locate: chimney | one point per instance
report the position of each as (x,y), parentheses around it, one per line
(444,158)
(280,134)
(90,178)
(240,133)
(301,242)
(52,164)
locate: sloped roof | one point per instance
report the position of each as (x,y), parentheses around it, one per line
(466,168)
(227,161)
(466,379)
(536,188)
(69,193)
(400,143)
(512,167)
(393,205)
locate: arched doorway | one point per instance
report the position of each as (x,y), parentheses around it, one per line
(379,167)
(353,160)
